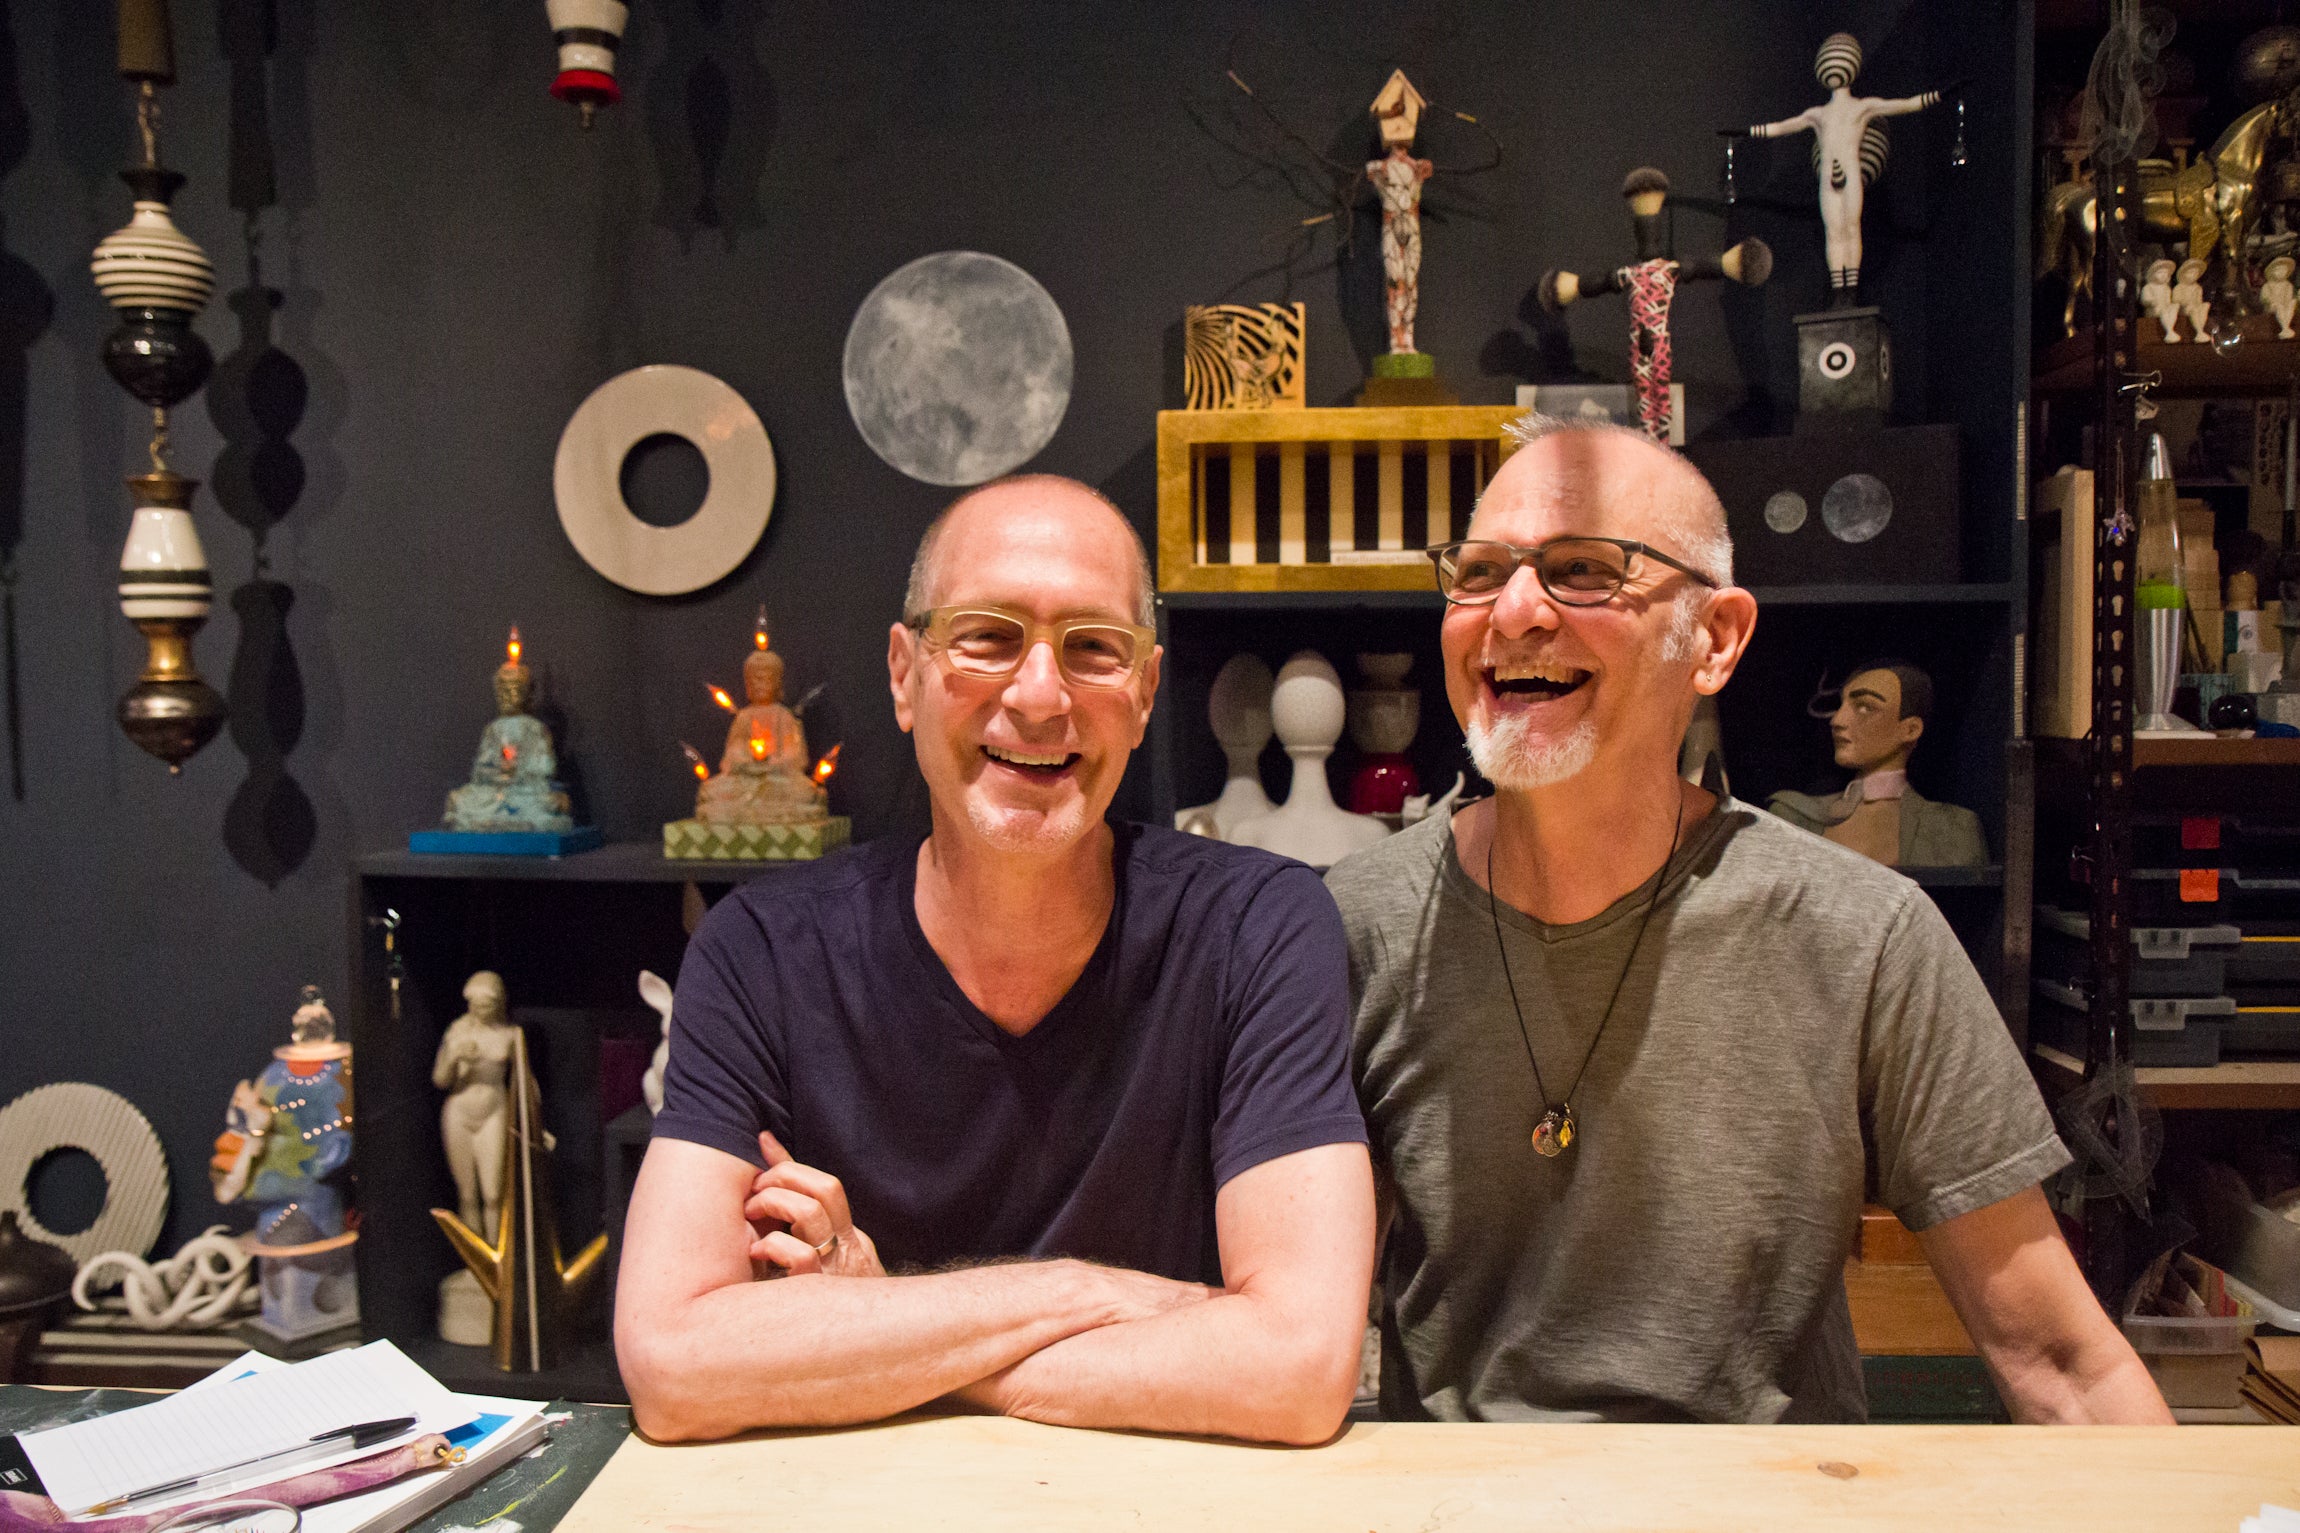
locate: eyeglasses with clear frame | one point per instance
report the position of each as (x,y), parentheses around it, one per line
(1576,570)
(991,642)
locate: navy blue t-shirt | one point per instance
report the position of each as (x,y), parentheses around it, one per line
(1208,1033)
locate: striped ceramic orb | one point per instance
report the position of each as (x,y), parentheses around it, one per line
(151,264)
(1839,60)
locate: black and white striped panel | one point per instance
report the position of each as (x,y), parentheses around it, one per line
(1334,502)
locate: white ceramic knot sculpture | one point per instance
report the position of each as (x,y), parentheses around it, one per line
(203,1284)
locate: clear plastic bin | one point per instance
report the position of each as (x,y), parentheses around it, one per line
(2197,1363)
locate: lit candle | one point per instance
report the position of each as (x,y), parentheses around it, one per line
(511,649)
(759,629)
(695,760)
(829,764)
(719,696)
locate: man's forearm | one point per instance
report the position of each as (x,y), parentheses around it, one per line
(2110,1386)
(821,1351)
(1235,1366)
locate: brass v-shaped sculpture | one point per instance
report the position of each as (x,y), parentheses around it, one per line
(533,1289)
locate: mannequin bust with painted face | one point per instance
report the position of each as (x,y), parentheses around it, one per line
(1873,735)
(1879,718)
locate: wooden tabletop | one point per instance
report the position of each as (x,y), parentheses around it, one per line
(956,1473)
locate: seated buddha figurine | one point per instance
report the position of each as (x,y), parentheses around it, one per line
(763,776)
(511,787)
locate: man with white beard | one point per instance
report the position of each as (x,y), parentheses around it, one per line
(1041,1114)
(1627,1050)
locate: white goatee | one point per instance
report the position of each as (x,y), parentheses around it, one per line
(1509,756)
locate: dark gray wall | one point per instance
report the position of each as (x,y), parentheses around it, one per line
(456,266)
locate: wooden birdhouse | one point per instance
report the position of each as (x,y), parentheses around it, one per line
(1398,111)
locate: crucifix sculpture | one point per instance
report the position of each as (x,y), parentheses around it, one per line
(1649,282)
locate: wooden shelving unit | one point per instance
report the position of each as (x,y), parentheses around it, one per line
(2255,1084)
(2210,751)
(2258,364)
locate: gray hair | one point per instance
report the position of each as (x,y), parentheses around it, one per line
(922,564)
(1694,519)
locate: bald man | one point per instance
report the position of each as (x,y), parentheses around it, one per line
(1629,1051)
(1041,1114)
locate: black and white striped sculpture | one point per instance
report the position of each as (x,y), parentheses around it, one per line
(157,280)
(588,32)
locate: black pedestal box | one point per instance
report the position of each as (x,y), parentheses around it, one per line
(1874,507)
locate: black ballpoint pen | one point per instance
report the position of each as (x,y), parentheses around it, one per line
(363,1435)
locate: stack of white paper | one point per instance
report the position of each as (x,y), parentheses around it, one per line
(498,1432)
(250,1416)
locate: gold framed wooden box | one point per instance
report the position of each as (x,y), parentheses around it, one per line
(1318,500)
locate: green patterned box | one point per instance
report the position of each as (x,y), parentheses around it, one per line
(701,841)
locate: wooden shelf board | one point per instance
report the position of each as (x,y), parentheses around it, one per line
(1975,592)
(2234,1083)
(1970,593)
(618,862)
(1988,877)
(2211,751)
(2259,367)
(1425,600)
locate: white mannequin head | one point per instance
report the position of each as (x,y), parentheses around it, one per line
(1239,706)
(1307,705)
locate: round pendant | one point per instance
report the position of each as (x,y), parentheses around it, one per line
(1553,1133)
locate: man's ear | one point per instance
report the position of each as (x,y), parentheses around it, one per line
(1725,628)
(1912,729)
(901,657)
(1149,692)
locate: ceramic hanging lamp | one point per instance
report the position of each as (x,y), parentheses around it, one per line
(588,32)
(156,279)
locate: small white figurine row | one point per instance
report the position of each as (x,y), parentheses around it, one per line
(2172,294)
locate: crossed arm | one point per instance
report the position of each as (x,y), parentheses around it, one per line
(749,1299)
(2055,1356)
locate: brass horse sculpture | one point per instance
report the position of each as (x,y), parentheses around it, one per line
(2209,203)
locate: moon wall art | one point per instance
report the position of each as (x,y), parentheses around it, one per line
(958,368)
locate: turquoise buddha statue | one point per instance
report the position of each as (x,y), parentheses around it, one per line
(512,787)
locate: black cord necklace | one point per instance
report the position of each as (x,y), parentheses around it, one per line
(1553,1135)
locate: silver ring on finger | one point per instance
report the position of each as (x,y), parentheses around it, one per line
(828,1246)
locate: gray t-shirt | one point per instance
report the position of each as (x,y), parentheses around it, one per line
(1796,1018)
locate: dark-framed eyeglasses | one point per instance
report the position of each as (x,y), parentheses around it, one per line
(991,642)
(1575,570)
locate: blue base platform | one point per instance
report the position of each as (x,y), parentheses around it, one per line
(506,843)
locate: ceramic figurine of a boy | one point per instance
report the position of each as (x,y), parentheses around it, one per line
(286,1152)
